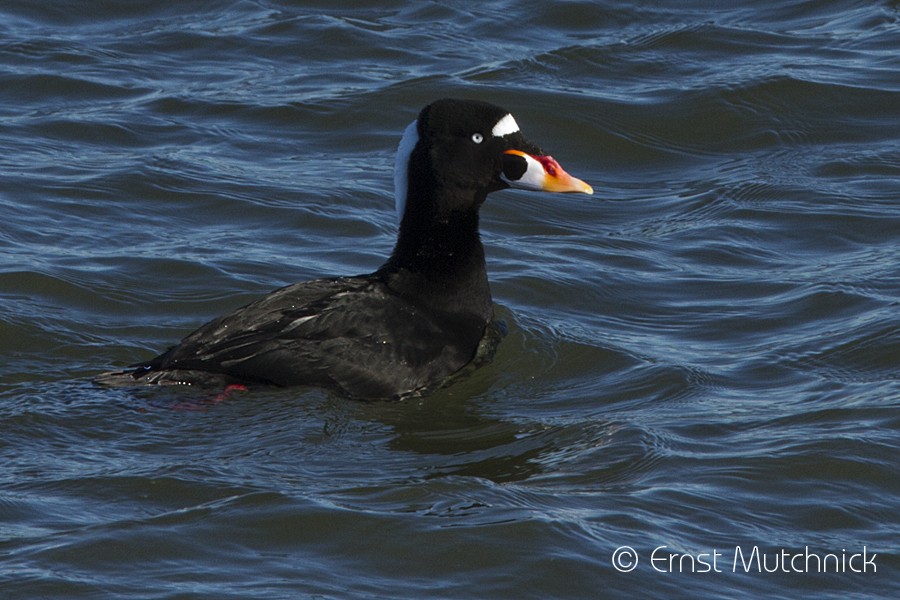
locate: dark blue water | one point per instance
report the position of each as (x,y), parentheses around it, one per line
(702,360)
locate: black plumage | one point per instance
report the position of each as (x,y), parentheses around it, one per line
(411,324)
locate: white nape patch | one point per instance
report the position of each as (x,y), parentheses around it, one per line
(505,126)
(401,167)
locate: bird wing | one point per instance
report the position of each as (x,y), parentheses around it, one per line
(314,333)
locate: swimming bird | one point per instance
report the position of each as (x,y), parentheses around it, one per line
(416,321)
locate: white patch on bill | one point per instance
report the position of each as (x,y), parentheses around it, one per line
(505,126)
(401,167)
(533,177)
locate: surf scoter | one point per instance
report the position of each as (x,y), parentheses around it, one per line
(415,321)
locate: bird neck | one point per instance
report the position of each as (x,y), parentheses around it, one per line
(439,256)
(439,237)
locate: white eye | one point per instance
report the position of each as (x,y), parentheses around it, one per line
(477,138)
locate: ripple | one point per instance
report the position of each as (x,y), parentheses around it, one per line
(867,356)
(702,353)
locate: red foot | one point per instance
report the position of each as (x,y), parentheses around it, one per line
(220,397)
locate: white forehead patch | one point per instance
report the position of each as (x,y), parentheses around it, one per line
(401,167)
(505,126)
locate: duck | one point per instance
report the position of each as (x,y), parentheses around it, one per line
(414,323)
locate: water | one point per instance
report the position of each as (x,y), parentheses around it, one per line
(703,356)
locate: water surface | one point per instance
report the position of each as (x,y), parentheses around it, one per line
(702,356)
